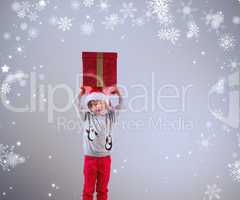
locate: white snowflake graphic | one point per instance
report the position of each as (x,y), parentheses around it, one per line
(226,41)
(6,36)
(16,6)
(128,10)
(33,16)
(219,86)
(9,159)
(235,170)
(75,5)
(64,23)
(20,49)
(111,21)
(5,88)
(21,14)
(41,5)
(232,64)
(186,9)
(87,28)
(170,34)
(22,9)
(104,5)
(88,3)
(160,8)
(213,192)
(166,21)
(23,26)
(193,30)
(33,33)
(139,21)
(205,141)
(18,76)
(25,6)
(236,20)
(214,20)
(53,20)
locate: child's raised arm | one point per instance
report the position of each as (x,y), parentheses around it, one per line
(120,99)
(114,90)
(81,108)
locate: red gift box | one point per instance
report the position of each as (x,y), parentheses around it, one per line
(99,69)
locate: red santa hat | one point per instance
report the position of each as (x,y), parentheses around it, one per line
(96,94)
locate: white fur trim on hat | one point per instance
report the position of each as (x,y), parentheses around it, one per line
(95,96)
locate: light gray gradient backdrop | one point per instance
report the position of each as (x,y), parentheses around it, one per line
(148,163)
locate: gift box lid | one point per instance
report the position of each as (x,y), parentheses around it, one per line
(106,55)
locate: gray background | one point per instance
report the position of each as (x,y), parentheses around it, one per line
(140,168)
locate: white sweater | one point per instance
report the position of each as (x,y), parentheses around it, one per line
(97,129)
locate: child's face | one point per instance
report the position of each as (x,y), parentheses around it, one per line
(98,106)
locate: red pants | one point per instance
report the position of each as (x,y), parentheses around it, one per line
(96,172)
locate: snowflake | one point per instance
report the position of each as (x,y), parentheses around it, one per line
(9,159)
(236,20)
(41,5)
(18,76)
(128,10)
(16,6)
(226,41)
(33,33)
(170,34)
(205,141)
(64,23)
(88,3)
(87,28)
(218,113)
(21,14)
(32,16)
(213,192)
(23,26)
(193,30)
(75,5)
(186,9)
(25,6)
(5,88)
(159,7)
(219,86)
(215,21)
(53,20)
(104,5)
(22,9)
(111,21)
(20,49)
(225,128)
(233,64)
(235,170)
(6,36)
(139,21)
(166,21)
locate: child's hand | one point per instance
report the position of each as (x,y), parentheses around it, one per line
(111,90)
(84,90)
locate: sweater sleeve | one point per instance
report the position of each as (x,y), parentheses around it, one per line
(118,107)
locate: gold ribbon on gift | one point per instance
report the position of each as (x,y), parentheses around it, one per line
(100,82)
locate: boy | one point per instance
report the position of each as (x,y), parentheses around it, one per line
(98,116)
